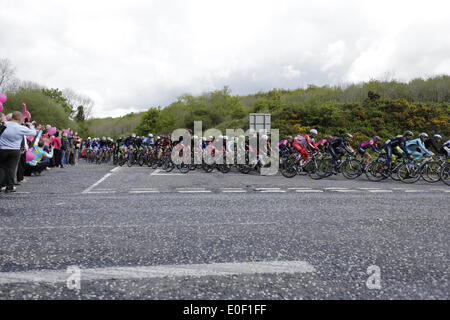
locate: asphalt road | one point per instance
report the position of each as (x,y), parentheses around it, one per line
(138,233)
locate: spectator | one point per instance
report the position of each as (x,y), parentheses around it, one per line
(56,144)
(65,151)
(10,143)
(41,158)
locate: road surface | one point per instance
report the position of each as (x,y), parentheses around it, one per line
(139,233)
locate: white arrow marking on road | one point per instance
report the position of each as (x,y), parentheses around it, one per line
(150,272)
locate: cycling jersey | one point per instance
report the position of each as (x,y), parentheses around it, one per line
(394,146)
(445,149)
(417,147)
(305,141)
(430,144)
(363,146)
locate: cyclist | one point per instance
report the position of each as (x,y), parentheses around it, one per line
(324,143)
(445,149)
(391,147)
(363,146)
(304,144)
(338,147)
(434,144)
(417,147)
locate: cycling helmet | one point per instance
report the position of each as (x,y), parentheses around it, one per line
(225,137)
(150,135)
(133,135)
(376,138)
(408,134)
(423,135)
(329,138)
(204,139)
(347,136)
(89,138)
(437,137)
(314,131)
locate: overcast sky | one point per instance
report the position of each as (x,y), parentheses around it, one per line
(131,55)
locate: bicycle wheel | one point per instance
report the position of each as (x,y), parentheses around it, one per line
(140,160)
(168,165)
(376,171)
(352,169)
(289,168)
(431,172)
(224,168)
(130,160)
(409,172)
(312,168)
(445,173)
(208,167)
(183,168)
(325,168)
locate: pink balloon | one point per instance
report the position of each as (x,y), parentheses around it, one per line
(1,107)
(51,131)
(29,156)
(3,98)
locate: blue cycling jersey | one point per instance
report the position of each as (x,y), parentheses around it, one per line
(415,144)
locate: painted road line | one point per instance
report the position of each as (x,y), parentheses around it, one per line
(233,190)
(416,191)
(380,191)
(144,191)
(269,190)
(99,192)
(193,191)
(106,176)
(369,188)
(150,272)
(157,172)
(299,188)
(308,191)
(115,169)
(346,190)
(335,188)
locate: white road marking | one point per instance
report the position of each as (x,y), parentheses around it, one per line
(150,272)
(346,190)
(380,191)
(157,172)
(335,188)
(106,176)
(115,169)
(269,190)
(416,191)
(193,190)
(308,191)
(99,192)
(144,191)
(233,190)
(369,188)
